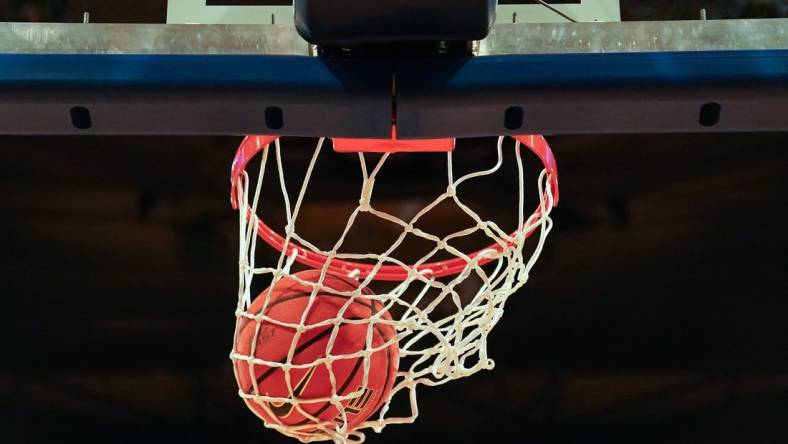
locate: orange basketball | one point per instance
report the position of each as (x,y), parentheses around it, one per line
(286,302)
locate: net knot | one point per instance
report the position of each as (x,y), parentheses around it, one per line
(366,195)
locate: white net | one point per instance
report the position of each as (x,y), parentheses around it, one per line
(309,375)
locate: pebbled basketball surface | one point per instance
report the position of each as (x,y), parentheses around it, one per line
(287,303)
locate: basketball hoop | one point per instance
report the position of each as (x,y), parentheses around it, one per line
(428,345)
(253,145)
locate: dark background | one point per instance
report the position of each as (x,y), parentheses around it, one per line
(657,314)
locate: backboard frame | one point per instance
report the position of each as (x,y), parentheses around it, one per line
(568,78)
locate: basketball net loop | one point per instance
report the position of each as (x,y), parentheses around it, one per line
(435,345)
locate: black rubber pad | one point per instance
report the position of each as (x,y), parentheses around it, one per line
(357,22)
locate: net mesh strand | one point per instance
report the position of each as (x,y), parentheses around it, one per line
(437,347)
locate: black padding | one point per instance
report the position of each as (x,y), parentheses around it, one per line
(357,22)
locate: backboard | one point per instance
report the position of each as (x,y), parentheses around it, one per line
(281,11)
